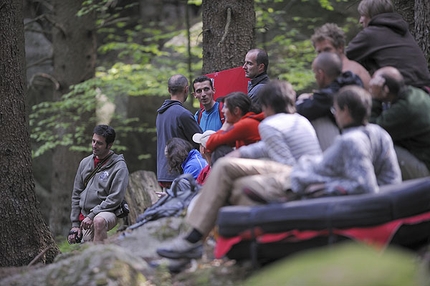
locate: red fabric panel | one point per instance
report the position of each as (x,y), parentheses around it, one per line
(230,80)
(379,236)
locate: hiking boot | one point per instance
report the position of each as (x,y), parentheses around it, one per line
(181,248)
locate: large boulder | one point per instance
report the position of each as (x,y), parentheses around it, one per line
(343,264)
(141,193)
(95,265)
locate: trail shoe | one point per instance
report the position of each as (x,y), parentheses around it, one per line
(181,248)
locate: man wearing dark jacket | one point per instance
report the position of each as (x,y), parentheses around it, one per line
(386,41)
(173,120)
(255,66)
(327,68)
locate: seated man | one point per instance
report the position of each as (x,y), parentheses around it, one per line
(359,161)
(330,38)
(327,68)
(99,188)
(386,41)
(406,117)
(285,137)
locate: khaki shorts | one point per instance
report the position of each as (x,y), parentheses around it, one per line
(109,217)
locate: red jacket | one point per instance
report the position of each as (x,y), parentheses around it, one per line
(243,132)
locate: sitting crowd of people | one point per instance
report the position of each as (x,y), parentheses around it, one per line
(366,126)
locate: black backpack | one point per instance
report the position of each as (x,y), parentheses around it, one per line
(184,188)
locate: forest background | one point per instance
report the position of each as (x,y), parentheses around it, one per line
(107,61)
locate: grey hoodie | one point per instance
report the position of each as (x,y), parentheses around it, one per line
(104,192)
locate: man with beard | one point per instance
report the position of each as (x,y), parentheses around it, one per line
(99,188)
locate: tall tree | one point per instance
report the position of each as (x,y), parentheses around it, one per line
(417,14)
(228,33)
(24,235)
(74,41)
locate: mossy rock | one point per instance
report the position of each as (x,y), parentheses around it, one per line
(349,264)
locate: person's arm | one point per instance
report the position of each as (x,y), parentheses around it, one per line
(195,164)
(277,148)
(376,110)
(117,187)
(256,150)
(395,120)
(360,47)
(344,168)
(238,131)
(188,126)
(317,106)
(78,187)
(352,167)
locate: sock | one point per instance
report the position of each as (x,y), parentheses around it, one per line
(194,236)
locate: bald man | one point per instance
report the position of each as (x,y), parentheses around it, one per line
(173,120)
(404,111)
(327,68)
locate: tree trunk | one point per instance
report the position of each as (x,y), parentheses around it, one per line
(422,26)
(74,41)
(23,233)
(228,33)
(417,14)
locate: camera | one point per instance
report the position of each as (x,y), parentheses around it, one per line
(78,238)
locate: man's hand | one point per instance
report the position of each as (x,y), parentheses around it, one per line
(86,223)
(74,234)
(377,87)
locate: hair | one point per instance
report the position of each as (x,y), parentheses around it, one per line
(393,79)
(330,63)
(203,78)
(177,150)
(358,100)
(238,99)
(107,132)
(371,8)
(177,83)
(262,57)
(330,32)
(279,95)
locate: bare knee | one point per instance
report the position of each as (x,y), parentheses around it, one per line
(100,224)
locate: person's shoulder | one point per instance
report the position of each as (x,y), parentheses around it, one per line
(87,159)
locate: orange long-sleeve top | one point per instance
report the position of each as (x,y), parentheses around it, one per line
(243,132)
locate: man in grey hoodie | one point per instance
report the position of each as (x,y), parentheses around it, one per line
(99,188)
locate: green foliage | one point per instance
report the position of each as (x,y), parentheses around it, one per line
(59,123)
(143,57)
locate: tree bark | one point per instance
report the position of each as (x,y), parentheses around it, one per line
(24,234)
(422,26)
(417,14)
(228,33)
(74,41)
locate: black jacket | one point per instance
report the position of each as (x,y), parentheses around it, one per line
(322,100)
(386,41)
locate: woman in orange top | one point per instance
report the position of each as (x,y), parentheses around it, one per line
(241,123)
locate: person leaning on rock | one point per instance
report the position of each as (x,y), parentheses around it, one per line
(99,188)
